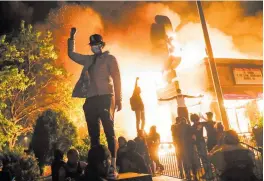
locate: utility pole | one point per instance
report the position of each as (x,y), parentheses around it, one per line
(213,69)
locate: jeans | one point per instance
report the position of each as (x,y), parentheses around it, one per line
(202,152)
(101,108)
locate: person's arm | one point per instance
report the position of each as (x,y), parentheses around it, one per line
(62,174)
(83,164)
(168,99)
(202,117)
(136,87)
(76,57)
(158,139)
(188,96)
(115,74)
(136,83)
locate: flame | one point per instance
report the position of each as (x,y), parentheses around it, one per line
(129,40)
(165,149)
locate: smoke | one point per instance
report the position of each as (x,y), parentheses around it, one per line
(126,31)
(12,13)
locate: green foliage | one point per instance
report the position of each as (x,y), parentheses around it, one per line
(26,169)
(83,145)
(31,81)
(52,131)
(253,113)
(22,167)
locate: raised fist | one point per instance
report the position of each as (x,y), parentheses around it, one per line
(137,78)
(73,31)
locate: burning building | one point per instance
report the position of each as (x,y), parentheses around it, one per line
(241,82)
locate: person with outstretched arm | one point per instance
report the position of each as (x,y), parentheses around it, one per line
(100,85)
(182,109)
(137,106)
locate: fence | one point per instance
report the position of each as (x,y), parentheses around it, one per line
(167,155)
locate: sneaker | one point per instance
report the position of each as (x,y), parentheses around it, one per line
(112,174)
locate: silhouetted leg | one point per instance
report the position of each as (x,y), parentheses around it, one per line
(137,112)
(142,116)
(106,112)
(92,120)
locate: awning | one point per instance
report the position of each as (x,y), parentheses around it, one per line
(236,93)
(242,92)
(238,96)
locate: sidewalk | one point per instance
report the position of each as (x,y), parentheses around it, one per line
(165,178)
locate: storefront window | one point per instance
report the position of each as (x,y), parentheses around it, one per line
(238,119)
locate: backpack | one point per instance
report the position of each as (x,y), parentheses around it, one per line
(133,103)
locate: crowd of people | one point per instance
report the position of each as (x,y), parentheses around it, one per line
(222,149)
(139,156)
(100,85)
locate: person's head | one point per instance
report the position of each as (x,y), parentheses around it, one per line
(195,118)
(58,154)
(122,141)
(96,43)
(231,138)
(181,120)
(73,157)
(141,133)
(178,120)
(219,127)
(153,129)
(99,159)
(131,145)
(179,91)
(209,115)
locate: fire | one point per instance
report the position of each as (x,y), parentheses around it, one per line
(165,149)
(129,41)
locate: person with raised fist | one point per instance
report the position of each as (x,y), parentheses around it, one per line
(100,85)
(137,106)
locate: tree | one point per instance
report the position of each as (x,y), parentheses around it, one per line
(31,81)
(53,130)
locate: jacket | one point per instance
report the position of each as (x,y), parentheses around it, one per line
(100,74)
(219,154)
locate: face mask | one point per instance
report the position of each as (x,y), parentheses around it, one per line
(96,49)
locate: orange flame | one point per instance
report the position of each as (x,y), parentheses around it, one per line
(129,41)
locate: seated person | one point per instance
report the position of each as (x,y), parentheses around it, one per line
(132,161)
(122,148)
(99,162)
(74,168)
(232,160)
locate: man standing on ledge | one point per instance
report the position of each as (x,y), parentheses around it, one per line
(100,85)
(182,110)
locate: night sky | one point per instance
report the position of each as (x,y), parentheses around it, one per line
(11,13)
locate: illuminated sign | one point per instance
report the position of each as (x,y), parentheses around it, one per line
(248,75)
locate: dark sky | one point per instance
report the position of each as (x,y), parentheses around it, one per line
(11,13)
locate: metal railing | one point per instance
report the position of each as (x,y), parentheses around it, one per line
(172,168)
